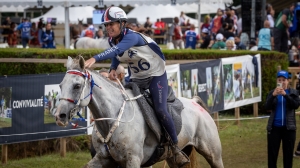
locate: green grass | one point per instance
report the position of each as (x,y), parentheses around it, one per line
(244,146)
(5,122)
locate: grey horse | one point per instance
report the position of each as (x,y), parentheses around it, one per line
(127,140)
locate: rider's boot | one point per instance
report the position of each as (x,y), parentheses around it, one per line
(180,158)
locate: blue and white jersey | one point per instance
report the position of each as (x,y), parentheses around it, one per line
(191,39)
(141,53)
(25,29)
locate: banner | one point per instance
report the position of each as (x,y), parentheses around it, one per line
(203,79)
(27,107)
(242,80)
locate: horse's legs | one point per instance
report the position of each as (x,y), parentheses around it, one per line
(211,152)
(100,162)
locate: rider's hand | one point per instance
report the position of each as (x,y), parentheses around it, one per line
(113,74)
(89,62)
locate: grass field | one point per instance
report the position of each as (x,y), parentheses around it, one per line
(244,146)
(5,122)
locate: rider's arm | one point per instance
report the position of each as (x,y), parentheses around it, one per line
(19,27)
(128,41)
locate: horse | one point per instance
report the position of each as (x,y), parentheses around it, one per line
(75,31)
(87,42)
(130,142)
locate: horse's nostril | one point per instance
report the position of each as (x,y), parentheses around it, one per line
(62,116)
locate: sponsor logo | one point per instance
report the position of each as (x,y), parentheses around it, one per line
(132,53)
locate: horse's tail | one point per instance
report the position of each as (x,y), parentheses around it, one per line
(201,103)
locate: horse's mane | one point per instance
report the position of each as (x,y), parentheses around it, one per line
(98,75)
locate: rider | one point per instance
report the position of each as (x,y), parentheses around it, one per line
(147,65)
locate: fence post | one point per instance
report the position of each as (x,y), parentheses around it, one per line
(255,109)
(216,118)
(63,148)
(4,154)
(237,115)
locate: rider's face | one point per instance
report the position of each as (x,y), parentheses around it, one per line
(113,29)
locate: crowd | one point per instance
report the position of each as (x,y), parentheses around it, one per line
(28,34)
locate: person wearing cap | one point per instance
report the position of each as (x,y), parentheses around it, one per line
(282,103)
(191,37)
(147,65)
(219,44)
(25,28)
(206,38)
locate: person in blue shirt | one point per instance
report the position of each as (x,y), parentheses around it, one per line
(48,37)
(147,66)
(25,28)
(282,103)
(191,37)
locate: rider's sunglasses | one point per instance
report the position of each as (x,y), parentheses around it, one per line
(109,24)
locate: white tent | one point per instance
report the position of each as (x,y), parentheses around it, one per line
(205,7)
(13,8)
(75,14)
(155,12)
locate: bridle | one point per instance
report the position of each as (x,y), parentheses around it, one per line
(87,76)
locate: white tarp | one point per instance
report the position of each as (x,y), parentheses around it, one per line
(206,8)
(75,14)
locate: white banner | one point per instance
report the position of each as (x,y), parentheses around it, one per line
(173,75)
(241,80)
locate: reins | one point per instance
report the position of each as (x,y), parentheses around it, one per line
(88,76)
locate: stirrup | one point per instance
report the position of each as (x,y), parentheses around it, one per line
(179,152)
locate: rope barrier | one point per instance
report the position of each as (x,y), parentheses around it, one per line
(235,119)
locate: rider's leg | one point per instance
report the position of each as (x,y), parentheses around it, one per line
(159,91)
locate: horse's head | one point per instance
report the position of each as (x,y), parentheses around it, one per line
(74,88)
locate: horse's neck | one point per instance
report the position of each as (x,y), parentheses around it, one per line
(106,102)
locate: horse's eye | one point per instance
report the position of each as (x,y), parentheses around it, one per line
(76,86)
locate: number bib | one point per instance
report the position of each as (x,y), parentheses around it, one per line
(143,62)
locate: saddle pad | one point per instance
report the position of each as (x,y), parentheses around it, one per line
(175,107)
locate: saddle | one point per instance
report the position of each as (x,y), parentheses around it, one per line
(175,107)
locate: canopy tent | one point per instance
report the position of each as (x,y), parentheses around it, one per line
(205,8)
(154,12)
(100,3)
(75,14)
(13,8)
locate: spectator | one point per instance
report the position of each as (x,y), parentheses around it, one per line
(234,17)
(99,34)
(48,37)
(159,26)
(148,26)
(281,28)
(41,27)
(12,38)
(121,74)
(182,19)
(223,28)
(206,38)
(219,44)
(191,37)
(253,46)
(228,32)
(239,44)
(176,33)
(265,39)
(25,28)
(239,27)
(281,102)
(228,19)
(217,22)
(270,14)
(230,44)
(91,28)
(206,23)
(7,24)
(86,32)
(294,53)
(34,34)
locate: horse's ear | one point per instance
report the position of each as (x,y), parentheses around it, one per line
(81,62)
(69,63)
